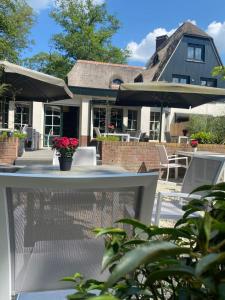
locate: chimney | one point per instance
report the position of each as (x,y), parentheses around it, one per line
(159,40)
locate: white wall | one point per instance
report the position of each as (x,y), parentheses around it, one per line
(38,120)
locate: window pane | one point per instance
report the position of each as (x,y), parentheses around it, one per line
(203,82)
(198,53)
(99,118)
(190,54)
(132,119)
(183,80)
(175,80)
(117,119)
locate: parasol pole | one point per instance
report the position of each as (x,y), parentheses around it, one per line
(160,125)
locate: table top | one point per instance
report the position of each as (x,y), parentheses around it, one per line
(201,153)
(75,170)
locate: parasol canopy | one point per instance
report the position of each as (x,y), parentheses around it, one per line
(30,85)
(162,94)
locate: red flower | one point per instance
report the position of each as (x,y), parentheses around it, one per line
(65,146)
(194,143)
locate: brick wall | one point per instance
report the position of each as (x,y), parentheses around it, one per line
(135,156)
(8,150)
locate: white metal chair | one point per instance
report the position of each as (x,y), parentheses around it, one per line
(46,222)
(202,170)
(136,137)
(97,131)
(85,156)
(170,161)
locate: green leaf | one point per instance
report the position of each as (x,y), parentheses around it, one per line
(208,261)
(110,230)
(143,254)
(103,297)
(135,223)
(177,270)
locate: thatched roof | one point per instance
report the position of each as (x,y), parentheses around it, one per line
(93,74)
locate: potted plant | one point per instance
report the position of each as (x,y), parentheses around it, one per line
(184,262)
(194,145)
(65,148)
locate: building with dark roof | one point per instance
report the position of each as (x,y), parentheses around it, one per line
(187,56)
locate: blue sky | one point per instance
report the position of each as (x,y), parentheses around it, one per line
(142,21)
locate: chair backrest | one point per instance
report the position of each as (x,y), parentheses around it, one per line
(24,129)
(163,157)
(55,158)
(97,131)
(46,224)
(85,156)
(203,170)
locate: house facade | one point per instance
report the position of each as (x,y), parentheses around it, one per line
(188,56)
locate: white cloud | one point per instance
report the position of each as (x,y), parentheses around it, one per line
(38,5)
(217,31)
(144,50)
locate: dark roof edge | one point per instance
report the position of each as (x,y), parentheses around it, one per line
(79,90)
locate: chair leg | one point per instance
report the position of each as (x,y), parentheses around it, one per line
(158,209)
(168,172)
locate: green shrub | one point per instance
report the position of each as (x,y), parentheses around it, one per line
(203,137)
(209,124)
(184,262)
(109,138)
(19,135)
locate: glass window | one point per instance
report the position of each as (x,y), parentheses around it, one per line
(22,115)
(117,119)
(4,108)
(212,82)
(132,120)
(181,79)
(154,126)
(52,127)
(99,118)
(117,81)
(196,52)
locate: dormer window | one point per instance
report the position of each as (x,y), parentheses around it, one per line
(117,81)
(196,52)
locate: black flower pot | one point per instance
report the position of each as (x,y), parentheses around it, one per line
(65,163)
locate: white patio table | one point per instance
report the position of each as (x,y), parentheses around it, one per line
(124,136)
(75,170)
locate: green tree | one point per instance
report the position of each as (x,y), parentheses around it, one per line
(16,20)
(49,63)
(87,31)
(219,71)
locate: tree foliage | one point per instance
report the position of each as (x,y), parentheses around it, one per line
(87,31)
(49,63)
(16,20)
(219,71)
(215,126)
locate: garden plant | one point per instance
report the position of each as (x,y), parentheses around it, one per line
(184,262)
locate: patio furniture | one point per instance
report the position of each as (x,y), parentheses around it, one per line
(202,170)
(46,226)
(183,139)
(170,161)
(124,136)
(136,137)
(97,131)
(83,156)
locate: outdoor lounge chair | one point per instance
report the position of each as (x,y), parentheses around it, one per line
(46,224)
(170,161)
(202,170)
